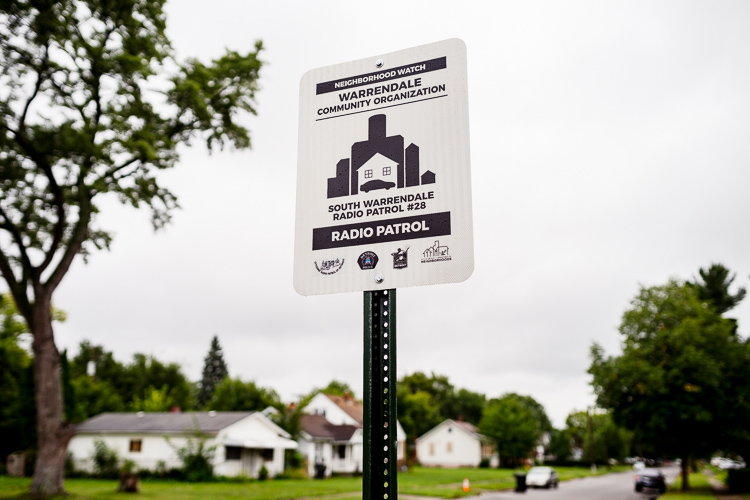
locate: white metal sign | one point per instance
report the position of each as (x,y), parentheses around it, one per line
(383,175)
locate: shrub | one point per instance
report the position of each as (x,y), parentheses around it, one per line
(106,462)
(293,459)
(484,463)
(263,474)
(196,457)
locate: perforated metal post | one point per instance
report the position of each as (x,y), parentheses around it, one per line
(380,446)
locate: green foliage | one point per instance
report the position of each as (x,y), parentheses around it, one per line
(263,473)
(513,425)
(560,444)
(96,396)
(100,69)
(464,404)
(336,388)
(713,287)
(146,384)
(289,418)
(416,412)
(682,378)
(214,371)
(425,401)
(155,400)
(597,435)
(106,461)
(232,394)
(196,457)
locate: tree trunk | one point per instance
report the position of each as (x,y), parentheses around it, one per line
(53,432)
(685,466)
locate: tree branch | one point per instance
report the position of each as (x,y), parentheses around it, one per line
(28,269)
(39,80)
(75,243)
(57,193)
(17,290)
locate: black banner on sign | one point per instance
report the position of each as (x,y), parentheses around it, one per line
(383,231)
(381,76)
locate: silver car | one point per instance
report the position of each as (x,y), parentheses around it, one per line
(542,477)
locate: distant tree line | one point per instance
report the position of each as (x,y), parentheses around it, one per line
(95,382)
(679,388)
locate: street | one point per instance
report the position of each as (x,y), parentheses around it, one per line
(609,487)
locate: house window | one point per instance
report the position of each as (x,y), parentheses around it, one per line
(368,173)
(136,445)
(233,452)
(449,447)
(342,451)
(267,454)
(386,170)
(432,448)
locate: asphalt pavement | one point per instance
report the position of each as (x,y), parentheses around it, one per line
(616,486)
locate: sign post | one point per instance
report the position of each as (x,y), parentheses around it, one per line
(384,202)
(379,478)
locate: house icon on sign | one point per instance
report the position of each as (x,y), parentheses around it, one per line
(380,162)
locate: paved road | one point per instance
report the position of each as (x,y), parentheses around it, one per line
(610,487)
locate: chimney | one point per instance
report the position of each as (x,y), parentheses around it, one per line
(377,127)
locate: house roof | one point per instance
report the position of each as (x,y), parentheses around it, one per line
(318,427)
(465,426)
(143,422)
(353,408)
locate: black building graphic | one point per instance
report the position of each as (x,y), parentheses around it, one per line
(380,162)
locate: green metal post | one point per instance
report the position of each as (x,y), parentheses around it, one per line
(380,445)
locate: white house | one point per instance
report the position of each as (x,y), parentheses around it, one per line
(244,441)
(337,447)
(454,444)
(333,434)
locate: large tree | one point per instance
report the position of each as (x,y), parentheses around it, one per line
(514,427)
(675,383)
(87,109)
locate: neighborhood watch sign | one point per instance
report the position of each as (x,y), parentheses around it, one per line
(383,179)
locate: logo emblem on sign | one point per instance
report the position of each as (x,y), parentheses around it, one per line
(368,260)
(400,258)
(378,163)
(329,266)
(435,253)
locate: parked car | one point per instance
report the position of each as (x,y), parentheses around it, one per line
(726,464)
(639,466)
(652,479)
(544,477)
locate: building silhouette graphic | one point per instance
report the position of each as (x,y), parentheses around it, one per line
(380,162)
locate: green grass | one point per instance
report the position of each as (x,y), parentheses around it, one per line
(442,483)
(95,489)
(700,489)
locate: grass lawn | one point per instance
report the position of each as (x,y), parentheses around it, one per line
(443,483)
(700,489)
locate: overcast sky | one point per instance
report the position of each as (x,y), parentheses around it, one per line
(610,146)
